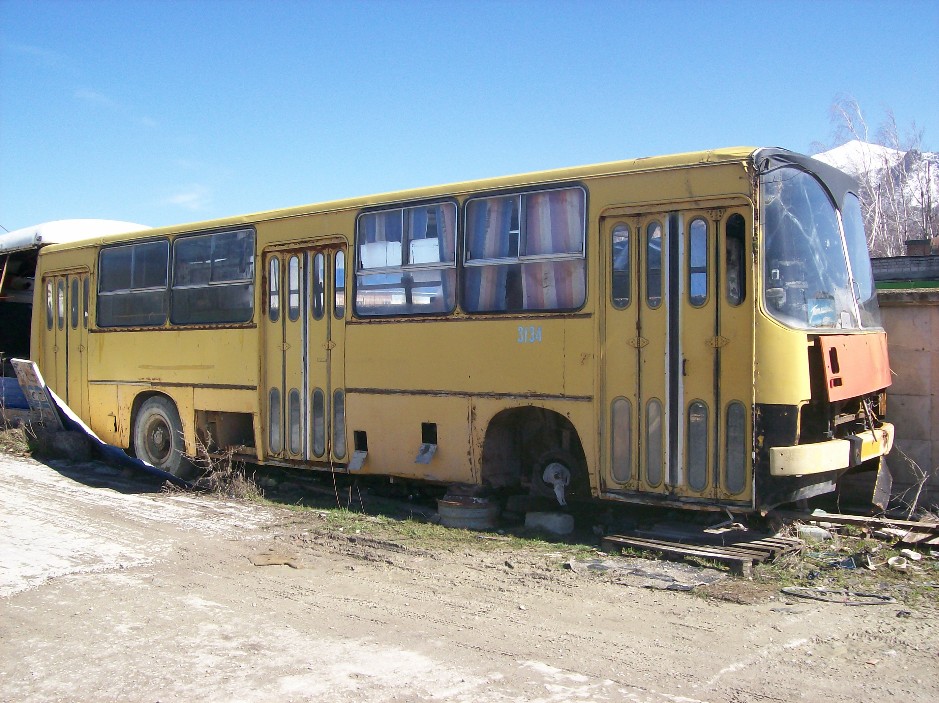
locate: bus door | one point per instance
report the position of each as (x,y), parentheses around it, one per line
(303,335)
(669,327)
(65,340)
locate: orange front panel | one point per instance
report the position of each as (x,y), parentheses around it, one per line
(854,364)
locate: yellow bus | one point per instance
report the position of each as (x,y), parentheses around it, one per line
(694,330)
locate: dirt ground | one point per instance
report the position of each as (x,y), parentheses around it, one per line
(112,590)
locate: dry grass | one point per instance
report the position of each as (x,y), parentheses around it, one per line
(856,561)
(15,441)
(222,475)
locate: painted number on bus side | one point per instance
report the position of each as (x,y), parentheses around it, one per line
(529,335)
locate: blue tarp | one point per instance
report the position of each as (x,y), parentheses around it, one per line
(11,395)
(116,456)
(72,423)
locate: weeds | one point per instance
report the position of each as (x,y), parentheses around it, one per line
(909,500)
(223,475)
(853,561)
(16,441)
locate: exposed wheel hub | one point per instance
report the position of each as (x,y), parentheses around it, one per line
(559,477)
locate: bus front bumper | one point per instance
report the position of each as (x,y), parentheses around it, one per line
(833,455)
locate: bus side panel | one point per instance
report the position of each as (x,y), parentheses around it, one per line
(104,416)
(135,362)
(394,426)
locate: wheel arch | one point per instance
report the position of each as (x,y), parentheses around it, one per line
(183,405)
(519,438)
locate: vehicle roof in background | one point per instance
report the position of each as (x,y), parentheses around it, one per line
(62,231)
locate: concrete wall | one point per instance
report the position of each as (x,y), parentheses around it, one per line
(911,318)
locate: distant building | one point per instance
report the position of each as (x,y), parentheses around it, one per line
(919,269)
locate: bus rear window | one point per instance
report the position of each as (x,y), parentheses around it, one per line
(132,285)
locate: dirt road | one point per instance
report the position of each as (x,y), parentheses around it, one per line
(113,591)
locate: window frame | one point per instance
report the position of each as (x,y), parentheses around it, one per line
(703,270)
(229,283)
(737,244)
(621,302)
(654,302)
(131,291)
(406,267)
(520,259)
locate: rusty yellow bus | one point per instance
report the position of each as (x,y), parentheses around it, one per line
(694,330)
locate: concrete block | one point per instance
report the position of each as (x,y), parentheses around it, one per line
(911,416)
(554,523)
(918,451)
(908,328)
(912,372)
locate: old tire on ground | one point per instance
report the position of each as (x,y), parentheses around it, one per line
(158,436)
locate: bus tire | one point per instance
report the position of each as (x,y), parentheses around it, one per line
(158,436)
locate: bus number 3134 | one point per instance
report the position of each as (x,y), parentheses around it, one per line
(529,334)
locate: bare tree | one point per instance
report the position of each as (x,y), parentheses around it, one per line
(896,182)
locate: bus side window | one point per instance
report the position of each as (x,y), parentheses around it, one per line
(318,293)
(50,305)
(132,285)
(620,254)
(86,294)
(339,281)
(60,308)
(73,304)
(736,259)
(213,278)
(293,288)
(654,264)
(525,252)
(273,301)
(406,261)
(698,262)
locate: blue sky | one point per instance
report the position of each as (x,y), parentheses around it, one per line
(166,111)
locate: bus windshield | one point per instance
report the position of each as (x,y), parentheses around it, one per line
(814,277)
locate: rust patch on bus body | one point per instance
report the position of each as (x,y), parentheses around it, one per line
(854,364)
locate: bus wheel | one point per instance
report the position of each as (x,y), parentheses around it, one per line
(558,475)
(158,436)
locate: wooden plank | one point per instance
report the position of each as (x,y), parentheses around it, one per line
(754,554)
(744,545)
(765,551)
(915,537)
(738,565)
(702,550)
(783,546)
(860,520)
(692,535)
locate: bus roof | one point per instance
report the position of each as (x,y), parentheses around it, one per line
(652,163)
(62,231)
